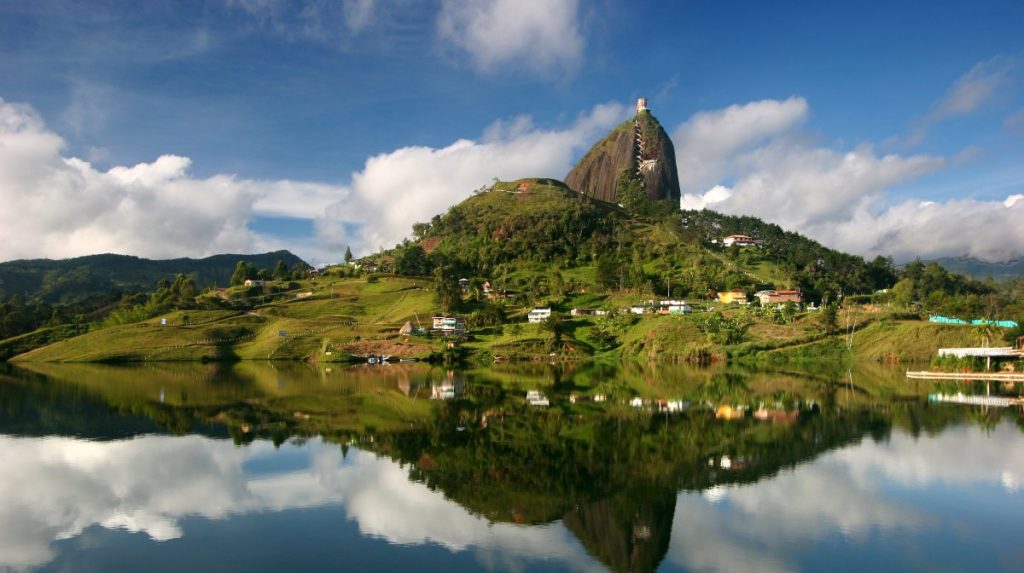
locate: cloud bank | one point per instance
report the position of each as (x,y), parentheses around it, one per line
(57,206)
(752,159)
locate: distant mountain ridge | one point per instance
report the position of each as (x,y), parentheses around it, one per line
(75,279)
(982,270)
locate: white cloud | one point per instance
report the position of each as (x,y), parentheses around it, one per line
(987,230)
(706,141)
(314,20)
(751,160)
(396,189)
(541,36)
(976,87)
(358,14)
(1014,123)
(56,206)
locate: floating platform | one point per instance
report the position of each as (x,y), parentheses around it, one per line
(994,376)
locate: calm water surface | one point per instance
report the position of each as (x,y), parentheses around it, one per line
(260,467)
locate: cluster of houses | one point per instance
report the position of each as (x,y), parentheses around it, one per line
(456,326)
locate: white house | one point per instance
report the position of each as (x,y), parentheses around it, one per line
(674,307)
(588,312)
(539,315)
(741,241)
(449,325)
(638,309)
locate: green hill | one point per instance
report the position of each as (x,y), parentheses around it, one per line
(71,280)
(514,234)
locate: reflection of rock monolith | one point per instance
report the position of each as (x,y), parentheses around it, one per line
(629,532)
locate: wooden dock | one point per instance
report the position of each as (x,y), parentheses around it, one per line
(992,376)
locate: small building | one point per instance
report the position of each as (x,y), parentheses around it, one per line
(639,309)
(732,296)
(675,309)
(779,297)
(588,312)
(641,104)
(254,282)
(464,283)
(449,325)
(487,288)
(539,315)
(741,241)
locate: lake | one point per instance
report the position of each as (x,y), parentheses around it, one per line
(271,467)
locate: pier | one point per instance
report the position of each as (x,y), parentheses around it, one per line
(964,376)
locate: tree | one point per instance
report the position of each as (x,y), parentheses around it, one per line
(903,293)
(607,272)
(830,317)
(243,272)
(183,291)
(280,270)
(556,284)
(348,254)
(412,261)
(446,289)
(553,324)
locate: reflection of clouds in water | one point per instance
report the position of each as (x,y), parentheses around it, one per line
(963,456)
(54,488)
(754,527)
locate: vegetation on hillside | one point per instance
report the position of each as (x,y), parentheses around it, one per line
(82,291)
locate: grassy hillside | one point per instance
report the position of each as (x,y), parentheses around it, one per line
(342,316)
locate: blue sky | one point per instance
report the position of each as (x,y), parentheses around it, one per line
(872,127)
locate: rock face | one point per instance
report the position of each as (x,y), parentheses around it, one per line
(640,146)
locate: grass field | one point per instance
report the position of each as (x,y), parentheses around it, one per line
(338,312)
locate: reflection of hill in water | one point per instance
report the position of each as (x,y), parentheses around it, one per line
(609,472)
(34,405)
(248,400)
